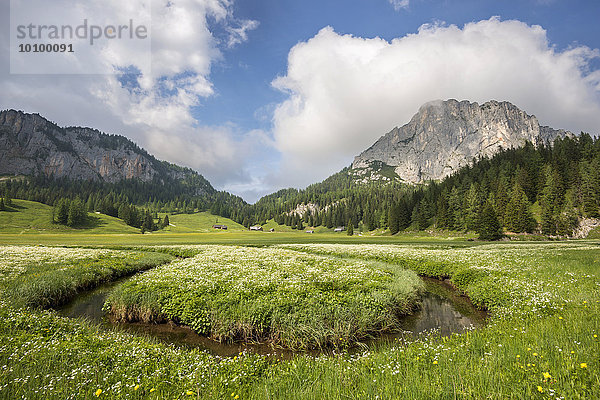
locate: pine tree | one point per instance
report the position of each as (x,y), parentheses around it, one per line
(77,213)
(518,217)
(2,207)
(148,224)
(590,190)
(489,227)
(501,198)
(394,221)
(403,215)
(166,221)
(549,202)
(443,215)
(350,230)
(455,204)
(473,210)
(61,211)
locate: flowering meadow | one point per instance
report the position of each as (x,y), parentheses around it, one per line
(541,341)
(49,276)
(290,298)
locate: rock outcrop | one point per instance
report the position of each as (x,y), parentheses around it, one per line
(446,135)
(32,145)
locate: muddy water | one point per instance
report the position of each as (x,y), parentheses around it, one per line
(442,309)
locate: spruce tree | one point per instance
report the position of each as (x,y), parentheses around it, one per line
(456,208)
(394,221)
(518,217)
(403,216)
(2,207)
(473,209)
(148,224)
(166,221)
(350,230)
(489,227)
(443,215)
(61,211)
(77,213)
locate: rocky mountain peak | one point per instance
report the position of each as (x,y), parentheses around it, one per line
(444,136)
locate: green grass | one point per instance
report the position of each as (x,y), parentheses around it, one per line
(285,297)
(47,277)
(271,224)
(236,238)
(30,217)
(541,342)
(200,222)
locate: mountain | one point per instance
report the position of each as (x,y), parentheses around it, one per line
(444,136)
(473,159)
(32,145)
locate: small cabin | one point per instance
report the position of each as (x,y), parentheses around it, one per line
(223,227)
(256,228)
(340,229)
(272,230)
(310,231)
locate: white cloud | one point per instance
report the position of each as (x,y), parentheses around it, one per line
(345,91)
(156,110)
(239,34)
(399,4)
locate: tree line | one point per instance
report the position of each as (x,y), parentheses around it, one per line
(135,202)
(545,189)
(558,183)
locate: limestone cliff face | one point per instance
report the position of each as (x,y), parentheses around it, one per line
(32,145)
(446,135)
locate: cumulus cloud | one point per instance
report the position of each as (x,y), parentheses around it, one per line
(399,4)
(153,105)
(346,91)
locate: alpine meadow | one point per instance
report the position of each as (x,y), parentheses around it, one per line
(300,200)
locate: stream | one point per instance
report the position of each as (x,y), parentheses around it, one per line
(442,308)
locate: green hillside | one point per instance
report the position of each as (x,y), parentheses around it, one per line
(199,222)
(32,217)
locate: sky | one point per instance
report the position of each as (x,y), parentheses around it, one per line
(259,95)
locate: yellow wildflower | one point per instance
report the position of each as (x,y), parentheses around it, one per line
(136,387)
(540,389)
(435,362)
(152,390)
(547,375)
(189,393)
(583,365)
(99,391)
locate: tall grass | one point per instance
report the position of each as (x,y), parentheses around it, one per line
(280,296)
(43,286)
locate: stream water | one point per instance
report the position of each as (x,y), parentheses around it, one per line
(442,309)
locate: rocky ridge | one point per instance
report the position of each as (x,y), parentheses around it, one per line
(32,145)
(446,135)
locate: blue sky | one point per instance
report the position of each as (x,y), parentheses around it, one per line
(243,79)
(258,95)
